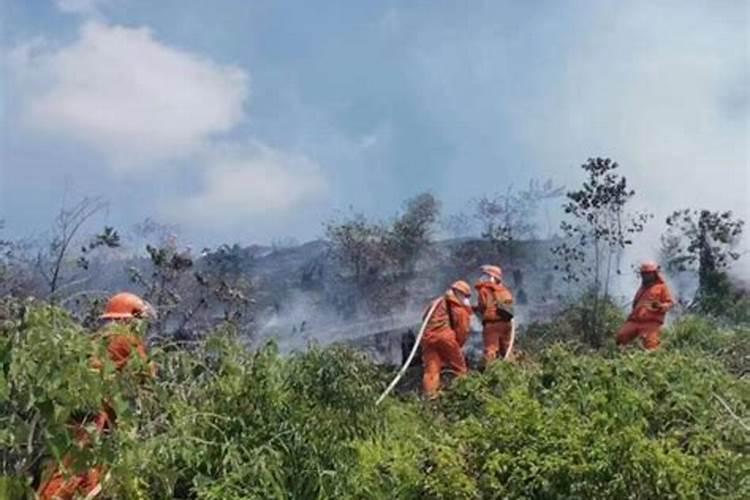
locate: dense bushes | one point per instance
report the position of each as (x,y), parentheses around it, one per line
(571,324)
(44,380)
(221,422)
(641,426)
(703,337)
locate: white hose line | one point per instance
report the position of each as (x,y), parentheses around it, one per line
(98,489)
(512,338)
(93,493)
(411,355)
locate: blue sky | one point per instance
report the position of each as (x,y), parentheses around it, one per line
(254,120)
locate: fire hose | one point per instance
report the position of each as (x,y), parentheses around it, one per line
(411,354)
(95,492)
(403,369)
(512,338)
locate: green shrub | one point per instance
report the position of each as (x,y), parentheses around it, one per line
(702,336)
(572,326)
(573,426)
(45,380)
(223,422)
(738,311)
(14,487)
(414,456)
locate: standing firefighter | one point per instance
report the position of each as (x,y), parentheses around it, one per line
(445,333)
(122,344)
(495,309)
(650,305)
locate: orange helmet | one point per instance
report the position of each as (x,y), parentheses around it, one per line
(493,271)
(462,286)
(649,266)
(126,306)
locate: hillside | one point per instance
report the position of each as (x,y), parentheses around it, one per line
(220,422)
(301,293)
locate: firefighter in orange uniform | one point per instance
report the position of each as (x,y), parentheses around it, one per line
(650,306)
(495,309)
(446,331)
(121,343)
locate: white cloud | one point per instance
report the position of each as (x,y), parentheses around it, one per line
(79,6)
(145,106)
(663,90)
(249,181)
(123,93)
(661,87)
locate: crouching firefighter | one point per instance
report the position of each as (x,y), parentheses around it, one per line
(650,306)
(445,333)
(122,343)
(495,310)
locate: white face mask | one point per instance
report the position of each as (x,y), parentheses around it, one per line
(466,301)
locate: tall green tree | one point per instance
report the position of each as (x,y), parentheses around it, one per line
(411,232)
(704,242)
(597,230)
(378,258)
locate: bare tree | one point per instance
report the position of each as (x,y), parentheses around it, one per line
(60,255)
(508,218)
(17,276)
(191,294)
(458,225)
(163,284)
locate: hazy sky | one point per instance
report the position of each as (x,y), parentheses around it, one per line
(252,120)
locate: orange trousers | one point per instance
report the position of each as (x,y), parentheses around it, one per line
(440,348)
(58,486)
(649,333)
(496,337)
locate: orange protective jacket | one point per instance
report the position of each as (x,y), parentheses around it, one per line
(490,295)
(120,346)
(651,302)
(451,314)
